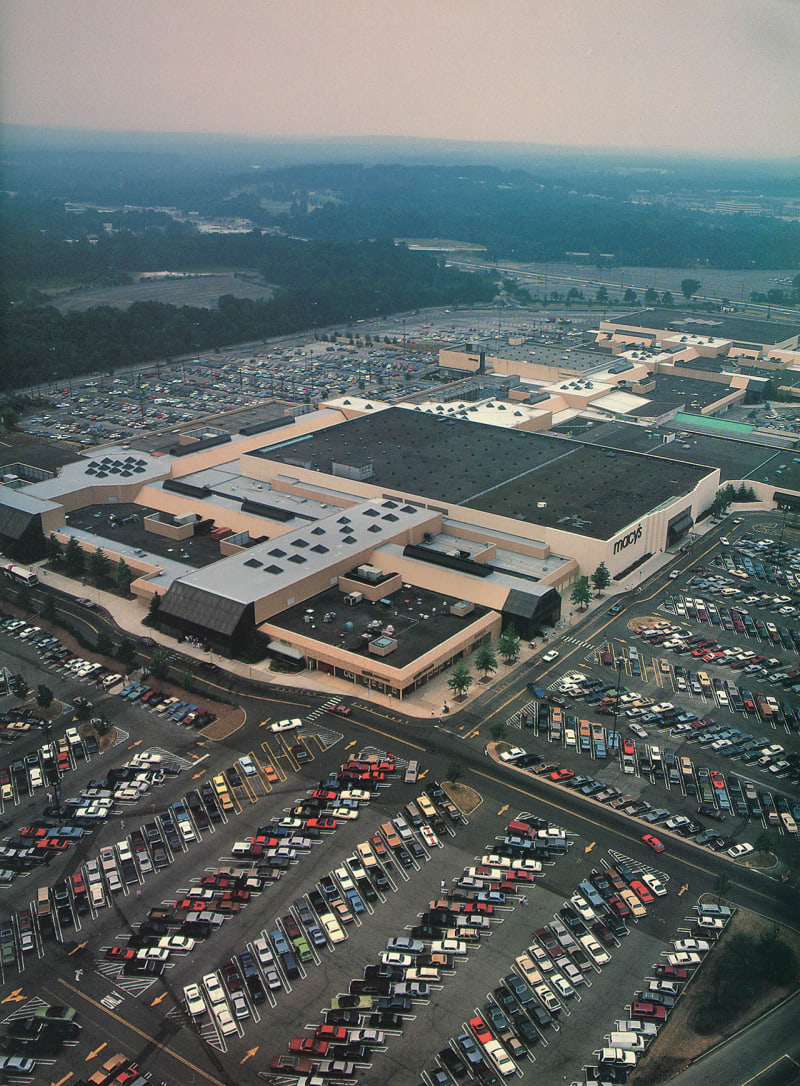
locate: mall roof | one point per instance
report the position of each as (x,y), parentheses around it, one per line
(506,472)
(716,325)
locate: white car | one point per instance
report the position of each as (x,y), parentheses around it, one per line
(176,942)
(683,958)
(153,954)
(654,883)
(512,754)
(497,1054)
(692,945)
(286,725)
(195,1004)
(740,850)
(394,957)
(582,907)
(550,656)
(213,985)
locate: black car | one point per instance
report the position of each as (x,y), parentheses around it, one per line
(452,1062)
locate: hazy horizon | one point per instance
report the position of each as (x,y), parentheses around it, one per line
(686,78)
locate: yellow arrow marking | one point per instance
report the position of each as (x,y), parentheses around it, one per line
(249,1054)
(264,722)
(80,946)
(61,1081)
(352,743)
(96,1051)
(196,775)
(683,889)
(424,773)
(503,809)
(14,997)
(158,999)
(590,846)
(138,743)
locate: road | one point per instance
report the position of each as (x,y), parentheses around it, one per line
(771,1046)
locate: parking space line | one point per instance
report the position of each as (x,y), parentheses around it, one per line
(145,1036)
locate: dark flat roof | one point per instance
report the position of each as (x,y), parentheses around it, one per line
(735,459)
(421,621)
(506,472)
(718,325)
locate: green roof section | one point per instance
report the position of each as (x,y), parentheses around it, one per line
(706,422)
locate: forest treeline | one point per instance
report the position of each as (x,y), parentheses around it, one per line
(318,284)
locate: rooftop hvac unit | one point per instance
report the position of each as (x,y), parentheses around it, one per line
(541,505)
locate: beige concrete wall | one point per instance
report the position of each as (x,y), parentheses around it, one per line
(169,502)
(52,520)
(220,454)
(381,670)
(371,592)
(722,404)
(168,530)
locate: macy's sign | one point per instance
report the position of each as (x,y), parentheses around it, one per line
(624,541)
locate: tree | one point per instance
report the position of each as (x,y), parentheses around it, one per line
(461,680)
(508,645)
(19,685)
(151,618)
(187,679)
(159,664)
(48,610)
(123,576)
(74,556)
(650,296)
(99,565)
(573,295)
(629,296)
(54,552)
(44,696)
(485,659)
(105,646)
(601,295)
(9,417)
(498,731)
(601,578)
(101,726)
(581,593)
(454,772)
(690,287)
(126,653)
(666,298)
(763,843)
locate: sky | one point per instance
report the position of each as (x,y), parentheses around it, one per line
(712,76)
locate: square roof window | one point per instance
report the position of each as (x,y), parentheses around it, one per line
(298,559)
(374,528)
(253,563)
(318,531)
(273,569)
(299,543)
(349,539)
(319,549)
(371,513)
(277,553)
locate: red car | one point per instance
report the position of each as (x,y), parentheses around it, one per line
(311,1046)
(480,1029)
(53,844)
(716,778)
(300,1064)
(671,972)
(652,842)
(650,1012)
(120,953)
(628,746)
(343,710)
(324,822)
(331,1034)
(34,831)
(642,892)
(562,774)
(618,906)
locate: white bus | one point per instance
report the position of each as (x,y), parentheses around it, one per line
(20,575)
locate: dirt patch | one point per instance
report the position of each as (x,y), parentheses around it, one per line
(105,741)
(677,1045)
(464,797)
(52,712)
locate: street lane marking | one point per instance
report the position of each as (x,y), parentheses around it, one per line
(146,1036)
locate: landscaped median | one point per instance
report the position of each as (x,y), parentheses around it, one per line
(750,970)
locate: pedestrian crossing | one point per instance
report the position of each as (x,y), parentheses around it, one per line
(570,640)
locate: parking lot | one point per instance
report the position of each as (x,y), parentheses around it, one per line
(212,851)
(662,717)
